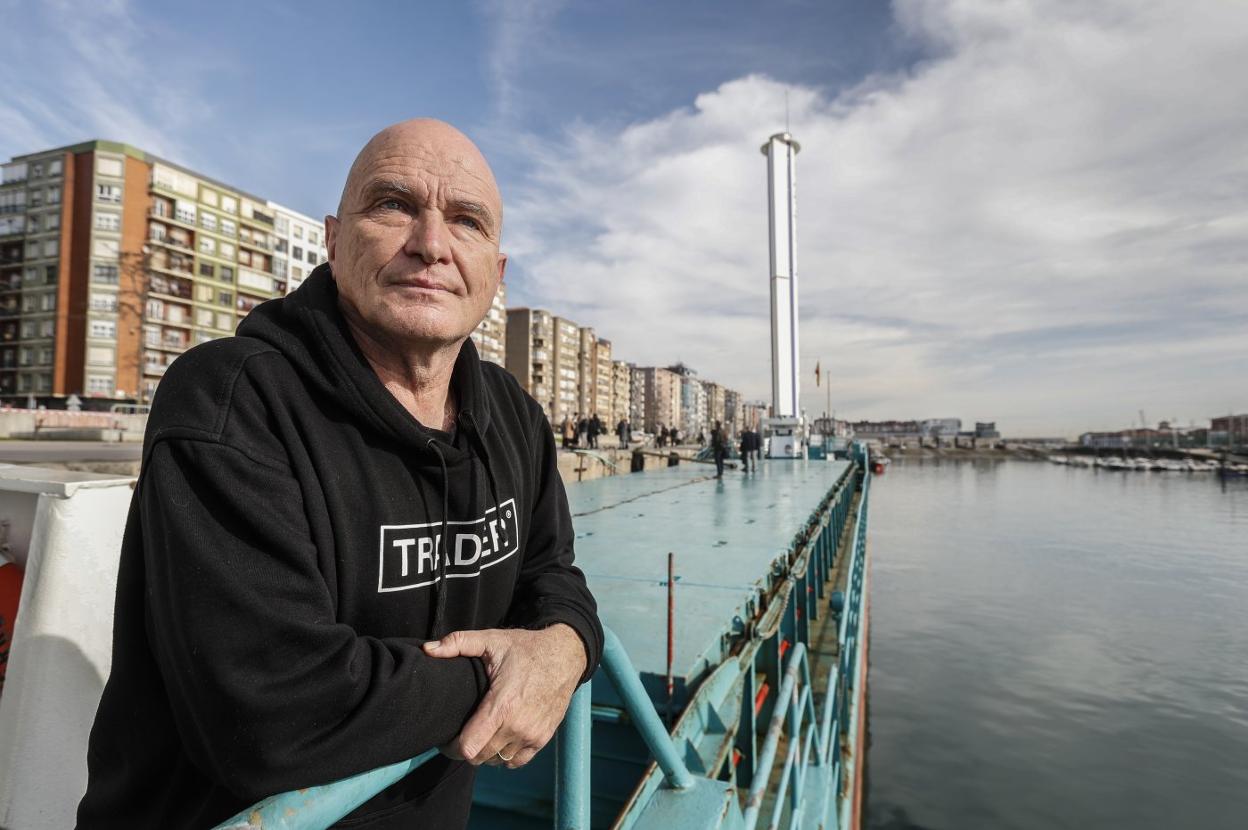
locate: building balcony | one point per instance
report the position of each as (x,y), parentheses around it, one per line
(171,244)
(258,218)
(259,245)
(164,321)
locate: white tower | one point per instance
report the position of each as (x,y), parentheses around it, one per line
(785,426)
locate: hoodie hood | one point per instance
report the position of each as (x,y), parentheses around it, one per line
(308,327)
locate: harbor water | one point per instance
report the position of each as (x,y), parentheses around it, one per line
(1057,647)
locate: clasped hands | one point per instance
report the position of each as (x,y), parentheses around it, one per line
(532,677)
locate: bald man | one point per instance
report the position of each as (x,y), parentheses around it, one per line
(349,542)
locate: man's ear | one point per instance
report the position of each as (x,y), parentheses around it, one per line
(331,237)
(502,267)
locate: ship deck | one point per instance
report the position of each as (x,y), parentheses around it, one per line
(725,533)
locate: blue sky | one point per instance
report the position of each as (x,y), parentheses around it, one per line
(1029,211)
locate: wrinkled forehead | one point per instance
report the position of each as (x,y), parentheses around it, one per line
(450,164)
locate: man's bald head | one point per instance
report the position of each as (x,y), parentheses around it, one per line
(414,249)
(431,142)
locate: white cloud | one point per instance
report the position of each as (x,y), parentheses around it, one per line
(1043,224)
(99,70)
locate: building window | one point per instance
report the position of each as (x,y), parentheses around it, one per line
(54,195)
(225,298)
(47,328)
(51,247)
(296,272)
(226,250)
(104,329)
(203,317)
(311,257)
(45,356)
(184,212)
(108,193)
(229,204)
(227,274)
(105,166)
(207,270)
(54,167)
(228,227)
(208,197)
(43,383)
(104,274)
(296,252)
(225,322)
(100,356)
(259,282)
(101,301)
(298,231)
(47,301)
(51,221)
(107,248)
(28,305)
(100,384)
(105,221)
(49,274)
(207,245)
(208,220)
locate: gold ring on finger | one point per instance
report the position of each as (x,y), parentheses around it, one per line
(504,757)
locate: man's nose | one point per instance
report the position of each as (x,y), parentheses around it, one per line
(429,238)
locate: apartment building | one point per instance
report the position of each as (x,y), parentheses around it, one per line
(662,397)
(637,397)
(529,355)
(113,262)
(298,246)
(621,393)
(716,403)
(733,411)
(568,370)
(491,335)
(602,384)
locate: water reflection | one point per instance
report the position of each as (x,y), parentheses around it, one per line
(1057,647)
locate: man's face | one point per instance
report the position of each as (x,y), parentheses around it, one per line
(414,249)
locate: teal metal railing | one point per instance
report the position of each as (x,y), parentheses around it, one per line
(813,763)
(319,807)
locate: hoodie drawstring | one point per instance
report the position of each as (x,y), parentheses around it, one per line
(439,588)
(470,429)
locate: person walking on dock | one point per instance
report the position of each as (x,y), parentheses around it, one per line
(264,639)
(719,449)
(567,431)
(743,447)
(595,429)
(622,431)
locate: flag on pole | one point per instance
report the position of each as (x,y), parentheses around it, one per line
(816,373)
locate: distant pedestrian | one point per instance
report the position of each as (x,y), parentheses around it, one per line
(582,431)
(595,429)
(719,449)
(660,436)
(674,434)
(743,446)
(568,432)
(702,438)
(622,431)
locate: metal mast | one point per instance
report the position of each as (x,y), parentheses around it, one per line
(781,150)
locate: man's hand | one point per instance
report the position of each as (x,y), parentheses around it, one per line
(532,677)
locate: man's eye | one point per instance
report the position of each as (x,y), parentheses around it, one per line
(390,204)
(469,222)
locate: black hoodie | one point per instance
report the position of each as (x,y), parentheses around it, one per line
(281,567)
